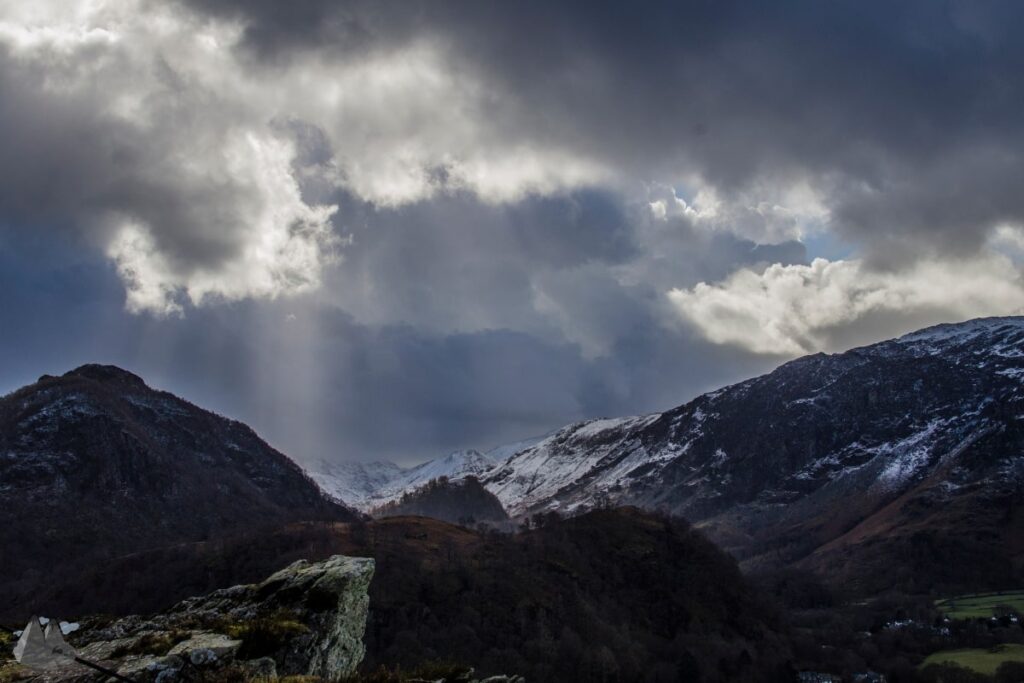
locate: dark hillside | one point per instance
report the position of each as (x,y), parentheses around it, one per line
(615,595)
(95,464)
(464,501)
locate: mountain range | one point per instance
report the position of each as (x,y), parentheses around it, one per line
(909,448)
(116,498)
(893,455)
(870,467)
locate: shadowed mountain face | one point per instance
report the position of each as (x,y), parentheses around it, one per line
(876,465)
(96,464)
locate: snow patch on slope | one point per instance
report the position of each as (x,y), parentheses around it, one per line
(908,456)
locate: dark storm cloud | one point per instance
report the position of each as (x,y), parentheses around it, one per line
(65,163)
(110,143)
(586,267)
(905,115)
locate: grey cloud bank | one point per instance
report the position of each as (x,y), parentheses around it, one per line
(903,116)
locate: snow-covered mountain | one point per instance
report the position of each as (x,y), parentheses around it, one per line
(370,485)
(826,452)
(454,466)
(354,483)
(830,460)
(888,409)
(533,478)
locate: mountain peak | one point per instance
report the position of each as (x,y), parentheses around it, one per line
(110,374)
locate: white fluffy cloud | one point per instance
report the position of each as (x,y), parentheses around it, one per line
(284,245)
(795,309)
(769,212)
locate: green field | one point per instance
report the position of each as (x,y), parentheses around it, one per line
(983,661)
(979,606)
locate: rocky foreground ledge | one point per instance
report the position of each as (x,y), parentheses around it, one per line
(305,620)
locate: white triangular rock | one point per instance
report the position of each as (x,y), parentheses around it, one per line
(55,640)
(31,650)
(42,649)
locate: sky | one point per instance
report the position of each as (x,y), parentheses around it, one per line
(387,230)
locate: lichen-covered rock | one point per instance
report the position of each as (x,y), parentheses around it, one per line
(206,645)
(305,620)
(309,617)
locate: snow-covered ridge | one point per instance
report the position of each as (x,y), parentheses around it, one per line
(958,333)
(539,473)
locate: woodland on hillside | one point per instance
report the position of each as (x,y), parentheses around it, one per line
(614,595)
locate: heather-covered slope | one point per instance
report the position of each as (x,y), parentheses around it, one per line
(96,464)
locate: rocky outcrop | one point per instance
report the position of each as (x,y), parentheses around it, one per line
(307,619)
